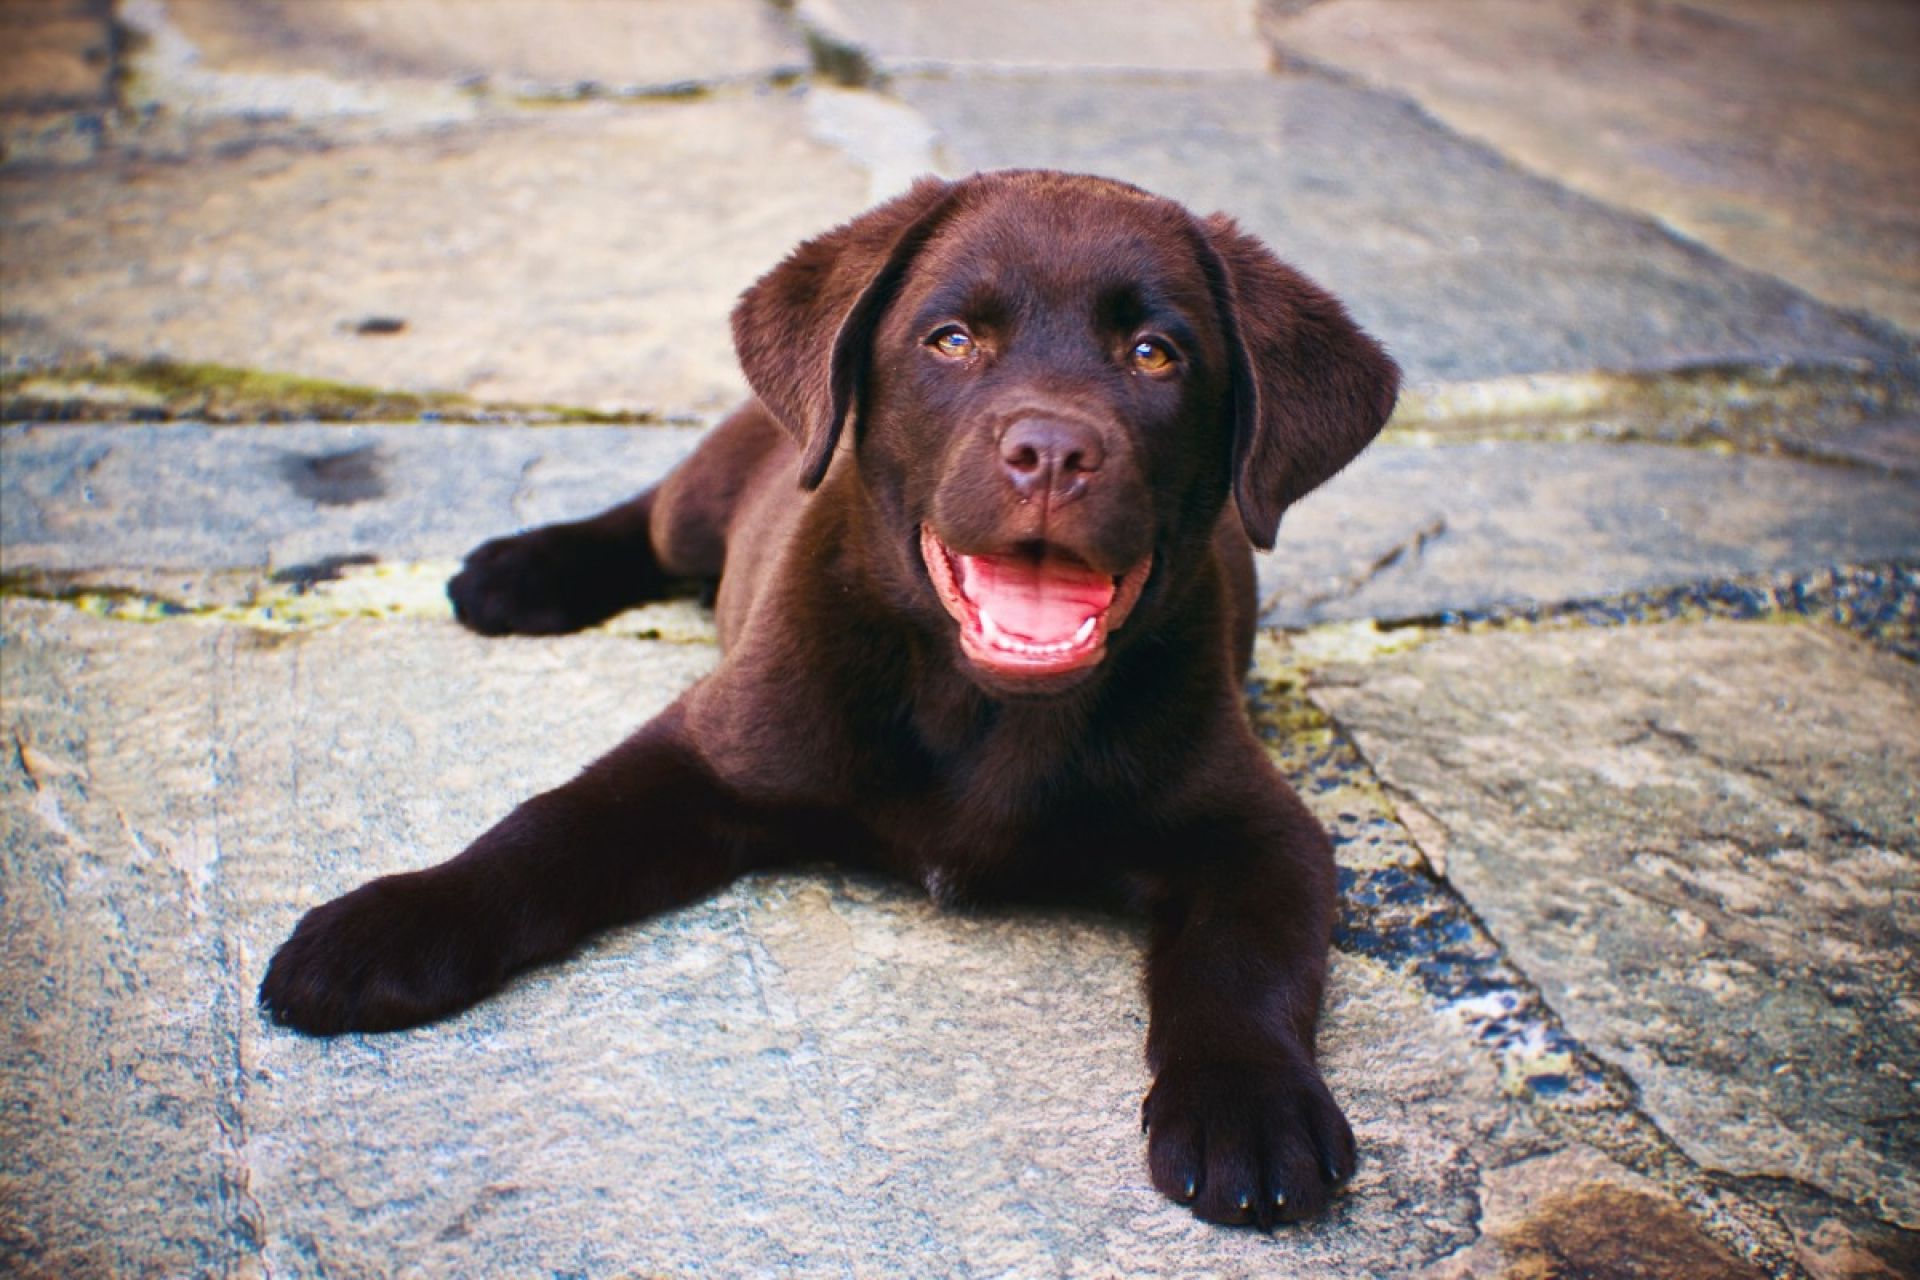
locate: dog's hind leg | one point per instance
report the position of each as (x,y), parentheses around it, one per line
(563,577)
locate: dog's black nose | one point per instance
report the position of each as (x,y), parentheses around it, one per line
(1050,457)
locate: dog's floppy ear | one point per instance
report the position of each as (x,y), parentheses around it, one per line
(803,329)
(1309,388)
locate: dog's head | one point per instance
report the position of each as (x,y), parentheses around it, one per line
(1055,382)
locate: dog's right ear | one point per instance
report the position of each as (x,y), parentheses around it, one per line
(803,330)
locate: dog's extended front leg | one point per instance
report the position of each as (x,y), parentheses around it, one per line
(1241,1127)
(642,829)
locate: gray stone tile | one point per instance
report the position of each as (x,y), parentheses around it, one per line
(536,45)
(1404,532)
(1700,841)
(120,987)
(1777,134)
(192,496)
(815,1075)
(1413,530)
(56,80)
(584,256)
(1465,266)
(895,35)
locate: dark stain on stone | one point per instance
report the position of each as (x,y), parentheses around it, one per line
(335,479)
(380,326)
(303,577)
(841,63)
(1611,1233)
(1879,602)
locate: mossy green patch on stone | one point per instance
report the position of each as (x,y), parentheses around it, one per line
(1349,642)
(158,390)
(1782,407)
(305,598)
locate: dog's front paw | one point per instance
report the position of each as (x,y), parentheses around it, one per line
(1251,1144)
(393,953)
(544,582)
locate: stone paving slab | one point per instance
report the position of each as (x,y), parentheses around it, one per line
(1777,133)
(57,54)
(587,255)
(1410,531)
(815,1074)
(536,46)
(268,498)
(1700,841)
(1059,36)
(56,79)
(1405,532)
(1463,265)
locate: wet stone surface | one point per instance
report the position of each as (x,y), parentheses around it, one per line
(1699,840)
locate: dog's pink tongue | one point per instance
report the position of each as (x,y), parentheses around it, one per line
(1044,599)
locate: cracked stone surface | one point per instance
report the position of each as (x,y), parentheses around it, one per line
(1776,133)
(1701,841)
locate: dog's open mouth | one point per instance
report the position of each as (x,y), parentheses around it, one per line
(1030,612)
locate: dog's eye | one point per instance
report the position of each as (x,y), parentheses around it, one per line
(1150,355)
(953,342)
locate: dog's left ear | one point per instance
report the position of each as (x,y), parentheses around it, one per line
(1310,389)
(803,329)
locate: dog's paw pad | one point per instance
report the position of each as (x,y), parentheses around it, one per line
(1247,1144)
(385,956)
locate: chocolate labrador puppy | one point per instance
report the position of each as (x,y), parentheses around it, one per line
(992,640)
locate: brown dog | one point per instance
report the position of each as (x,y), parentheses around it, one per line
(997,648)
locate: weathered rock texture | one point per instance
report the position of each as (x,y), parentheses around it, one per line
(1701,841)
(1776,133)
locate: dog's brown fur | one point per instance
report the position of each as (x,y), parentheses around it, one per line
(847,723)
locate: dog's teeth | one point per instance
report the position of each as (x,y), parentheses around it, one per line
(1001,639)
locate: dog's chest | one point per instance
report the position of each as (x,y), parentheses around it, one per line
(1022,808)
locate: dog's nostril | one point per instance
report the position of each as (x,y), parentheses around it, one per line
(1024,458)
(1040,453)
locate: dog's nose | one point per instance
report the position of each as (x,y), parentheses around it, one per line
(1050,457)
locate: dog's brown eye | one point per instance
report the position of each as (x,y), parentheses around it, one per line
(953,341)
(1150,355)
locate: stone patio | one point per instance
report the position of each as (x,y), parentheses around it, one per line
(1600,665)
